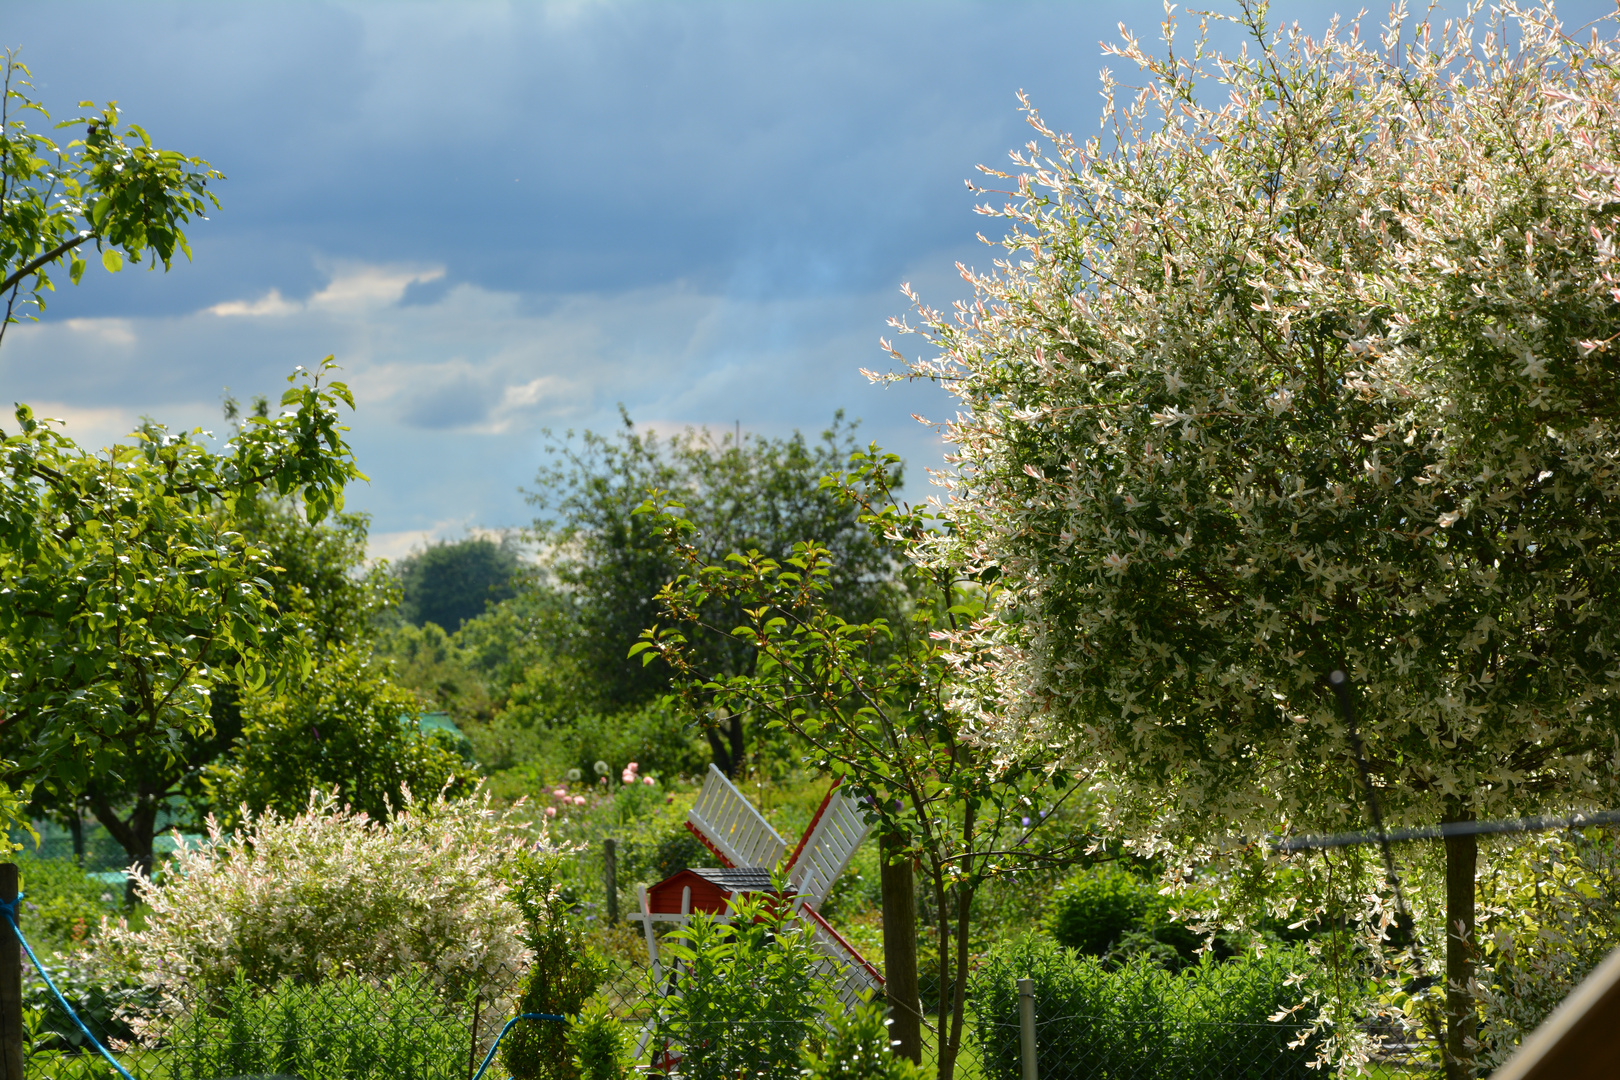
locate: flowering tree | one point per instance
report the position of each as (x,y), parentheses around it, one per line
(1318,376)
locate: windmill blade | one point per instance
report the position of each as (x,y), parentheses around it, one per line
(854,979)
(835,832)
(728,825)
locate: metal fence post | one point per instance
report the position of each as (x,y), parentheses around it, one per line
(11,1028)
(1026,1026)
(610,877)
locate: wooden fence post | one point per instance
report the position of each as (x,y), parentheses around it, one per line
(11,1029)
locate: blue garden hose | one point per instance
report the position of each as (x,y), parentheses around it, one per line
(10,910)
(554,1018)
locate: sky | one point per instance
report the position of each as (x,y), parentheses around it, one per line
(504,219)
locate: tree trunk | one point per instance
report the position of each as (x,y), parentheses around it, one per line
(727,754)
(134,834)
(1462,855)
(900,951)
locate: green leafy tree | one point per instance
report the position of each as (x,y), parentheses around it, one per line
(130,594)
(345,727)
(868,700)
(739,494)
(448,583)
(1316,376)
(321,597)
(112,190)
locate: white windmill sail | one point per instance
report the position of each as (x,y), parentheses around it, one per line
(836,831)
(729,824)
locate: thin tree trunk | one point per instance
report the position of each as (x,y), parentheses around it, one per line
(1462,856)
(900,950)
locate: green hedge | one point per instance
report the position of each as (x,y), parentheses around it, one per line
(1210,1020)
(347,1029)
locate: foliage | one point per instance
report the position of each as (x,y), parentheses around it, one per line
(1094,909)
(1551,902)
(113,189)
(748,992)
(868,700)
(332,892)
(449,582)
(434,666)
(346,729)
(600,1045)
(1234,1018)
(62,905)
(858,1048)
(349,1028)
(324,599)
(562,973)
(1305,366)
(130,593)
(741,494)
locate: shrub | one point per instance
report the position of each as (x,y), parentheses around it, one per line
(597,1038)
(563,975)
(331,893)
(1112,913)
(345,1029)
(1549,907)
(748,993)
(1212,1020)
(858,1048)
(1094,908)
(61,904)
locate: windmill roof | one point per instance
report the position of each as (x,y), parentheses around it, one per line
(736,879)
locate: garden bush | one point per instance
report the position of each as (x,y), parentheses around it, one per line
(62,905)
(1213,1020)
(600,1045)
(749,993)
(561,977)
(332,893)
(858,1047)
(345,1029)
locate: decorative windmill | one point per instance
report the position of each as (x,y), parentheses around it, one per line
(728,825)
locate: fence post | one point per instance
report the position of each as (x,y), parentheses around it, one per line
(610,877)
(11,1029)
(1026,1026)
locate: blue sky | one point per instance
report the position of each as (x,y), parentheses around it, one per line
(508,217)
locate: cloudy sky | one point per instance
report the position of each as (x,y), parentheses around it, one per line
(503,218)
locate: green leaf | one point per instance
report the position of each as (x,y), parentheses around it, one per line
(112,260)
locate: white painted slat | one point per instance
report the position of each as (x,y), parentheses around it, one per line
(729,821)
(828,849)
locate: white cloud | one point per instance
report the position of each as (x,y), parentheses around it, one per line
(120,332)
(271,303)
(358,287)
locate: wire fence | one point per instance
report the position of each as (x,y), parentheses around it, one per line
(1090,1021)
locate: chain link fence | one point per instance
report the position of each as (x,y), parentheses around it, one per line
(1212,1021)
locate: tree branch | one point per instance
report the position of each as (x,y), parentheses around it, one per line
(50,256)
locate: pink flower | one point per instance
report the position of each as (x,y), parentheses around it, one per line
(632,767)
(561,793)
(579,800)
(551,811)
(648,780)
(627,777)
